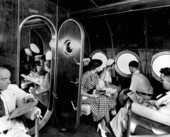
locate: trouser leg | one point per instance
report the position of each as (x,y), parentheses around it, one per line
(15,132)
(119,122)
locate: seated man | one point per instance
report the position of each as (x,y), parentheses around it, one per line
(37,73)
(119,122)
(12,97)
(140,85)
(41,91)
(162,105)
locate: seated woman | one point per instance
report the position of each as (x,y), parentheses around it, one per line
(112,89)
(100,104)
(41,91)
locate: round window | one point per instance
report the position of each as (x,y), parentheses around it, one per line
(100,55)
(159,60)
(122,60)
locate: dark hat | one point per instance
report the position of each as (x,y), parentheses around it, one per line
(94,63)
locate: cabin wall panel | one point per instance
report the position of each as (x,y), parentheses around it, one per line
(13,12)
(40,7)
(8,37)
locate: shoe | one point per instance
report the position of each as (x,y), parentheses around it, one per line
(113,112)
(102,131)
(75,108)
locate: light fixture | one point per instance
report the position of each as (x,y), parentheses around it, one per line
(34,48)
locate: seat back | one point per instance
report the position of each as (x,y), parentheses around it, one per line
(142,111)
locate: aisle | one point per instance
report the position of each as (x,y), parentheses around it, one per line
(86,129)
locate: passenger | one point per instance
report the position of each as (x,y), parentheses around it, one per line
(100,104)
(119,122)
(112,89)
(41,91)
(11,96)
(42,60)
(106,74)
(140,85)
(37,72)
(46,82)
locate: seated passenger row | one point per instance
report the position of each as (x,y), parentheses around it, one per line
(95,90)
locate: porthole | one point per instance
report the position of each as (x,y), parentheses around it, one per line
(122,60)
(159,60)
(98,54)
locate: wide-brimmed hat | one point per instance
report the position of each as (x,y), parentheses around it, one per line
(95,63)
(110,62)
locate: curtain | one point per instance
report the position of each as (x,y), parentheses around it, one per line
(111,54)
(149,54)
(142,55)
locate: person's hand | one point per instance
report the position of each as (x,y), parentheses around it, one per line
(95,95)
(31,90)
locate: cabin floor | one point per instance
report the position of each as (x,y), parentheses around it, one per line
(86,128)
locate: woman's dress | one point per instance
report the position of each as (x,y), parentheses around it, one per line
(101,105)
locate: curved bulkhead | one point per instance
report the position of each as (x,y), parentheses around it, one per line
(36,40)
(70,52)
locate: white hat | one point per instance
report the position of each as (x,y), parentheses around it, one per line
(38,57)
(86,61)
(109,62)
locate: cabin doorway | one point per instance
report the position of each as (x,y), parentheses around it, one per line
(37,45)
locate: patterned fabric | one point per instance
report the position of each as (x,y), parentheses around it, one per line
(99,106)
(89,81)
(2,108)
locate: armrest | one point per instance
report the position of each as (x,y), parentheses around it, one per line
(32,114)
(150,114)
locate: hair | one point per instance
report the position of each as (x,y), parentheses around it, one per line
(4,68)
(7,67)
(43,57)
(134,64)
(38,63)
(94,63)
(165,71)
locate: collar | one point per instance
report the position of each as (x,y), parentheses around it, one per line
(168,92)
(137,71)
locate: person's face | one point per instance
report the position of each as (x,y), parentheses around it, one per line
(112,66)
(131,69)
(42,62)
(4,79)
(166,82)
(98,69)
(39,68)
